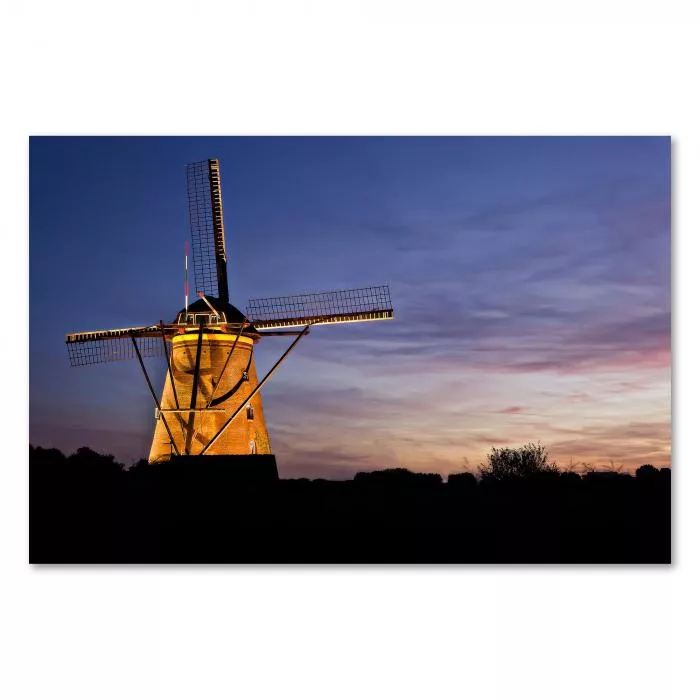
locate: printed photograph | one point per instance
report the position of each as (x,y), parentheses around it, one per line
(350,350)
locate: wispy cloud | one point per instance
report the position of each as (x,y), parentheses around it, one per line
(531,286)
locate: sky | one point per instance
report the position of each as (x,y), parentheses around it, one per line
(530,278)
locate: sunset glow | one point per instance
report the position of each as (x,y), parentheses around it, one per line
(530,279)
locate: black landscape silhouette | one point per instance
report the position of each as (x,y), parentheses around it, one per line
(87,508)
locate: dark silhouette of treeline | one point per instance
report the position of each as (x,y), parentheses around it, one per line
(86,508)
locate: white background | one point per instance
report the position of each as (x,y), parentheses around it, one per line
(348,68)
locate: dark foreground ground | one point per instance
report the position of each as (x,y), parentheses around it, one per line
(87,509)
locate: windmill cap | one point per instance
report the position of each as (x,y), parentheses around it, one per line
(233,315)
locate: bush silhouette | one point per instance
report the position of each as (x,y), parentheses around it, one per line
(462,480)
(507,463)
(398,477)
(84,457)
(49,458)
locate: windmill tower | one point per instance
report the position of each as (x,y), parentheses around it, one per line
(211,402)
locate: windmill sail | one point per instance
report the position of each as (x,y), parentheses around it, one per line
(96,347)
(367,304)
(207,228)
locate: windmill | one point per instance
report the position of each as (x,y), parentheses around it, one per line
(211,402)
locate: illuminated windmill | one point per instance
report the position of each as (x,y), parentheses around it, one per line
(211,402)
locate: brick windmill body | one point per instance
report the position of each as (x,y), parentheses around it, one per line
(211,403)
(226,373)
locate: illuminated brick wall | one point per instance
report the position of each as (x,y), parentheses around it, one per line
(246,433)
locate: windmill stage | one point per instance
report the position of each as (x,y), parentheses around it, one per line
(211,402)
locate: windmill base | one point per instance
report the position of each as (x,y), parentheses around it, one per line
(221,471)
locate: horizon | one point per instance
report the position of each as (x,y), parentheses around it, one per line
(530,278)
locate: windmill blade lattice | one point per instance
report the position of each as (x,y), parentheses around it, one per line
(97,347)
(344,306)
(207,228)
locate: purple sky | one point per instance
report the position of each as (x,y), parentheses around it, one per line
(530,280)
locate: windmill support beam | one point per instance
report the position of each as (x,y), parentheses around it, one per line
(195,386)
(153,394)
(255,391)
(167,360)
(203,297)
